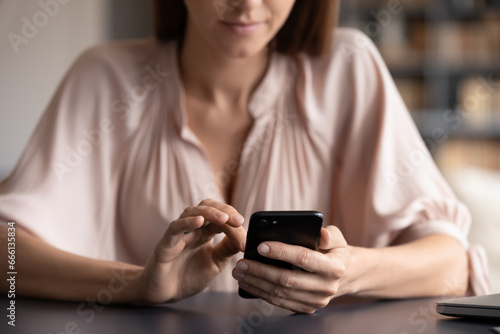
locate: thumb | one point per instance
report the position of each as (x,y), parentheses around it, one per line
(223,252)
(331,238)
(173,242)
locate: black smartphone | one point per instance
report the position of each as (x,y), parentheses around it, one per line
(301,228)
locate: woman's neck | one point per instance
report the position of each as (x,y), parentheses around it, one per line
(215,78)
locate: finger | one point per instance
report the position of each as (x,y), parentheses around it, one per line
(184,225)
(223,252)
(171,243)
(310,298)
(331,237)
(209,213)
(236,235)
(235,218)
(302,257)
(291,305)
(247,270)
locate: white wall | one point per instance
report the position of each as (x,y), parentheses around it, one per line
(29,77)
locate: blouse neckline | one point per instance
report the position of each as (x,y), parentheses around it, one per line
(262,100)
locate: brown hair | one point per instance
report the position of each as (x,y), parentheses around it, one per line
(309,27)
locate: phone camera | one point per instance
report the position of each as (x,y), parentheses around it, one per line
(262,223)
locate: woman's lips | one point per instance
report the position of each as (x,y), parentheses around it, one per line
(243,28)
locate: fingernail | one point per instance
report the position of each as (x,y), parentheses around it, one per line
(263,249)
(243,285)
(238,275)
(242,266)
(221,215)
(237,219)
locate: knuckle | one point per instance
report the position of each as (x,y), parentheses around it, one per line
(338,269)
(341,270)
(331,290)
(324,302)
(305,258)
(228,208)
(187,210)
(277,301)
(257,271)
(280,292)
(212,211)
(286,280)
(279,251)
(205,202)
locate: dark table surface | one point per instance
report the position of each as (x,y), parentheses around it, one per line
(226,313)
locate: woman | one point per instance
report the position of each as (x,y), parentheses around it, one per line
(253,105)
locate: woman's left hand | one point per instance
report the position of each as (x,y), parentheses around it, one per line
(298,290)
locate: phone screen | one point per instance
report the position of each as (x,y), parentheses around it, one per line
(291,227)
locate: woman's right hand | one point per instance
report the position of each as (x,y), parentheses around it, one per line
(185,260)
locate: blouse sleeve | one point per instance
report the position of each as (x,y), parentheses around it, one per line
(390,190)
(62,187)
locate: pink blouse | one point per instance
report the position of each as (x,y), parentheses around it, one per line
(112,160)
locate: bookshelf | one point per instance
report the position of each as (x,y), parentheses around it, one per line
(444,56)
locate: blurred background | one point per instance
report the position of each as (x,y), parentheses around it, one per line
(444,56)
(39,41)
